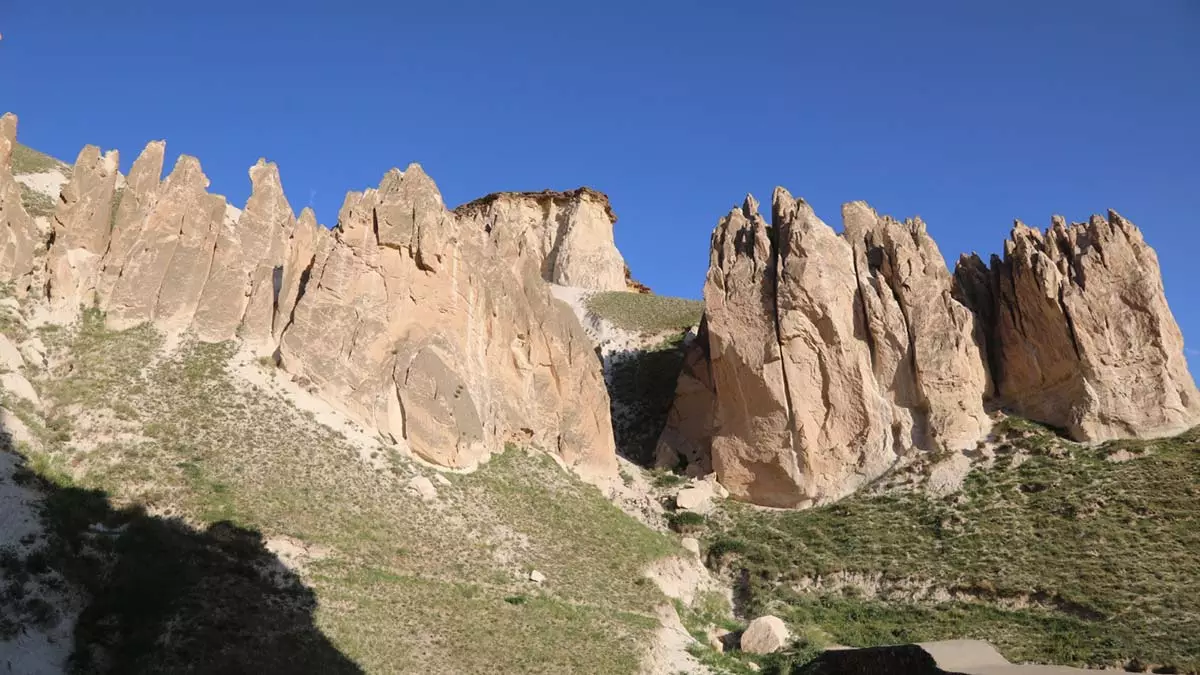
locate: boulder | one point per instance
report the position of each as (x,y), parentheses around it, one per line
(697,498)
(10,356)
(537,577)
(690,544)
(17,385)
(765,635)
(423,487)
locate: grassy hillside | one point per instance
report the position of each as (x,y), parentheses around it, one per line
(644,312)
(184,452)
(1059,554)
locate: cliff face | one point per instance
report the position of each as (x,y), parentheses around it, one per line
(832,358)
(433,328)
(1081,334)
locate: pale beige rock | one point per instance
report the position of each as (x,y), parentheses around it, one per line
(537,577)
(34,351)
(10,356)
(1059,355)
(306,251)
(927,347)
(133,203)
(82,230)
(765,635)
(165,273)
(17,385)
(443,349)
(265,226)
(19,237)
(568,235)
(423,487)
(690,544)
(697,498)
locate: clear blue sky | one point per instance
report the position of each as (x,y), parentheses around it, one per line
(969,114)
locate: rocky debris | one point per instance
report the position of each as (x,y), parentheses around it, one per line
(19,236)
(17,385)
(537,577)
(697,498)
(441,480)
(1058,355)
(765,635)
(423,487)
(568,235)
(34,351)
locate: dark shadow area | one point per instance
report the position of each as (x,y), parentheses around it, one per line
(160,596)
(641,389)
(897,660)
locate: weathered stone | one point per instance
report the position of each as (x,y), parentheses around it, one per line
(19,237)
(164,276)
(133,203)
(1060,354)
(446,350)
(10,356)
(697,497)
(423,487)
(765,635)
(690,544)
(82,230)
(265,226)
(569,235)
(17,385)
(537,577)
(686,439)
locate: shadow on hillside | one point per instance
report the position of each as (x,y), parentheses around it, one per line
(163,597)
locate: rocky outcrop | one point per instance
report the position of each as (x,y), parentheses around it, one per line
(568,235)
(436,331)
(82,229)
(19,237)
(1080,333)
(831,358)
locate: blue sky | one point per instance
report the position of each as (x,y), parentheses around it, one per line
(969,114)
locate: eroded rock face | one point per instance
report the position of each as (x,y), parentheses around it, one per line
(568,235)
(1081,334)
(832,357)
(82,229)
(419,327)
(409,318)
(19,237)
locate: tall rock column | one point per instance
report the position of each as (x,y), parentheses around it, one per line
(19,236)
(82,230)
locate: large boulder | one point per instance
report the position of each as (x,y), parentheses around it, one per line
(765,635)
(569,235)
(1081,336)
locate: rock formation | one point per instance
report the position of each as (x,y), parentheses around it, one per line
(19,237)
(569,235)
(1080,332)
(433,328)
(831,358)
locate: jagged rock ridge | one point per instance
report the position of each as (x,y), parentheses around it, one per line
(832,358)
(415,321)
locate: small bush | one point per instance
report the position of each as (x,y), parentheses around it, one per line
(686,522)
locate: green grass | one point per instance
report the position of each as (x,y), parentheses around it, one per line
(1066,558)
(27,160)
(644,312)
(398,583)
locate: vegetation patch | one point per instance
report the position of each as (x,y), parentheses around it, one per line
(27,160)
(1055,555)
(36,203)
(378,574)
(645,312)
(641,387)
